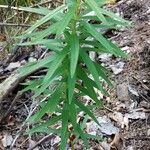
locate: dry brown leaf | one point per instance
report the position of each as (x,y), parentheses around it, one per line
(117,142)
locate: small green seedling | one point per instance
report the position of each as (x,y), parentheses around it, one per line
(71,73)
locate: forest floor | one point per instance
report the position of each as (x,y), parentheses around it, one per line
(125,121)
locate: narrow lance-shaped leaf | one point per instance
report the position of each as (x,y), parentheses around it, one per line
(49,106)
(71,87)
(114,16)
(39,128)
(74,50)
(86,110)
(65,21)
(43,41)
(46,18)
(96,9)
(73,114)
(90,86)
(98,36)
(101,72)
(39,10)
(37,65)
(47,130)
(41,34)
(93,70)
(45,85)
(32,85)
(64,129)
(55,64)
(84,77)
(89,92)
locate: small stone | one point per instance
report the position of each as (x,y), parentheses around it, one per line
(117,68)
(105,57)
(122,92)
(148,132)
(107,126)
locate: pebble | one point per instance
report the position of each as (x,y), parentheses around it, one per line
(117,68)
(148,132)
(122,92)
(105,58)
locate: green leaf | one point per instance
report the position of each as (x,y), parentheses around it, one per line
(42,126)
(43,87)
(30,68)
(96,9)
(65,21)
(74,41)
(73,115)
(93,70)
(49,106)
(52,81)
(84,77)
(86,110)
(114,16)
(32,85)
(46,130)
(89,91)
(46,18)
(64,129)
(55,45)
(41,34)
(101,72)
(86,143)
(71,87)
(55,64)
(39,10)
(89,84)
(83,124)
(101,2)
(98,36)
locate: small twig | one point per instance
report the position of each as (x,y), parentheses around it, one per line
(108,109)
(23,142)
(22,126)
(142,109)
(13,24)
(40,141)
(143,85)
(8,7)
(42,56)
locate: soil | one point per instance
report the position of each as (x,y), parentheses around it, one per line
(136,74)
(137,69)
